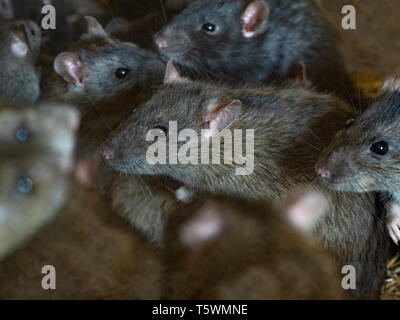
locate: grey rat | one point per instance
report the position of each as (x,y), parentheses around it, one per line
(290,124)
(20,46)
(255,42)
(107,78)
(232,249)
(34,166)
(363,156)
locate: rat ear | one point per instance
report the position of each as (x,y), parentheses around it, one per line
(68,66)
(94,27)
(306,208)
(255,18)
(392,83)
(19,42)
(207,224)
(221,115)
(171,73)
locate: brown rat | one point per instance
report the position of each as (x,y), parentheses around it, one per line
(34,165)
(96,256)
(363,156)
(232,249)
(20,45)
(255,42)
(291,126)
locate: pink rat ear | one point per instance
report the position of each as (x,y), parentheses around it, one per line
(255,18)
(19,42)
(171,73)
(221,115)
(392,83)
(68,66)
(94,27)
(207,224)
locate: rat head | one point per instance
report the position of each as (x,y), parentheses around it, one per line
(365,155)
(100,66)
(32,189)
(49,127)
(209,33)
(190,111)
(20,40)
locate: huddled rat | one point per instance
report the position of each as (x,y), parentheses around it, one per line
(291,126)
(35,162)
(20,45)
(363,156)
(233,249)
(255,42)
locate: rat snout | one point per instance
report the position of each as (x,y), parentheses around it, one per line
(160,41)
(324,172)
(107,152)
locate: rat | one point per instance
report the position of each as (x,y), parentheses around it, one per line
(106,78)
(254,42)
(291,127)
(362,157)
(34,165)
(20,46)
(95,255)
(234,249)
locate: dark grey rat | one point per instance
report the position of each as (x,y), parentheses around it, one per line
(290,126)
(36,157)
(233,249)
(255,42)
(20,46)
(364,157)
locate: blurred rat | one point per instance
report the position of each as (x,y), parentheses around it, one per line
(255,42)
(35,162)
(233,249)
(20,46)
(363,157)
(290,126)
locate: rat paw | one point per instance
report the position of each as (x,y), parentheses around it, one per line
(393,222)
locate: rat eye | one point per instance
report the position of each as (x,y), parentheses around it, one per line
(349,123)
(209,27)
(22,134)
(380,148)
(122,73)
(25,186)
(162,128)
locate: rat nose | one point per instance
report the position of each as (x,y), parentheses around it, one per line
(324,172)
(107,153)
(161,42)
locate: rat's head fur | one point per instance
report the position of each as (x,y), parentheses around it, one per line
(365,155)
(250,41)
(277,123)
(47,127)
(100,66)
(20,46)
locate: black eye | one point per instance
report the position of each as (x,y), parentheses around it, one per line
(25,186)
(209,27)
(122,73)
(380,147)
(349,123)
(162,128)
(22,134)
